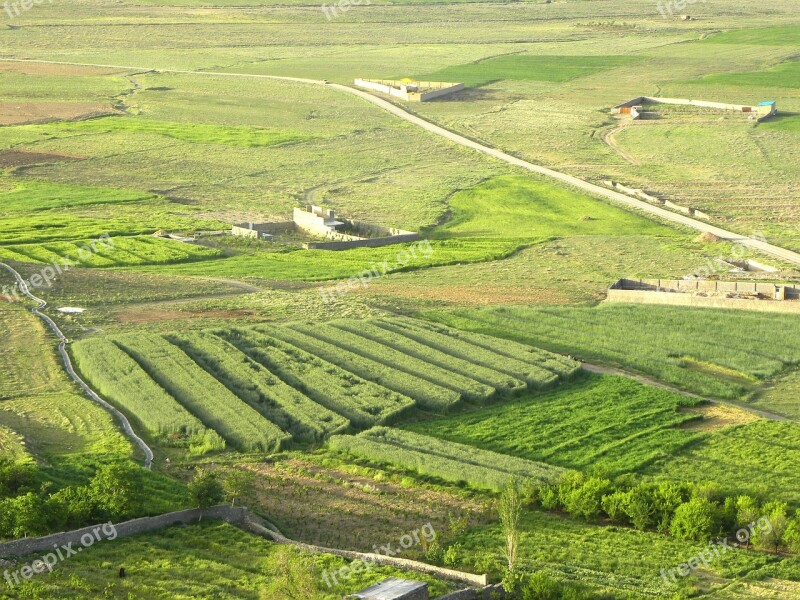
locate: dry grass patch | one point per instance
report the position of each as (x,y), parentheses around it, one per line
(23,113)
(353,507)
(17,158)
(717,416)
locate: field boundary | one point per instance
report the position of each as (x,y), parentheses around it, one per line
(239,517)
(575,182)
(62,349)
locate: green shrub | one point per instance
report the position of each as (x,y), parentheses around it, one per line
(697,520)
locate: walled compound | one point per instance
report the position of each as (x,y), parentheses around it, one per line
(635,107)
(338,233)
(410,91)
(745,295)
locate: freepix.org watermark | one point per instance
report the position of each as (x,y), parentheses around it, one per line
(107,531)
(670,7)
(414,251)
(331,12)
(16,8)
(46,275)
(360,565)
(715,550)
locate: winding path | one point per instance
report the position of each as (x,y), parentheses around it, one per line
(595,190)
(62,349)
(602,370)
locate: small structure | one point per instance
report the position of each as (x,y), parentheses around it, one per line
(635,106)
(316,220)
(745,295)
(261,231)
(394,589)
(410,91)
(338,234)
(767,109)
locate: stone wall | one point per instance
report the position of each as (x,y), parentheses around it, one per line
(254,230)
(125,529)
(683,292)
(394,561)
(428,89)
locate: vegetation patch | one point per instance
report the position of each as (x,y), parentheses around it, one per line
(448,461)
(648,338)
(784,75)
(604,422)
(199,133)
(515,67)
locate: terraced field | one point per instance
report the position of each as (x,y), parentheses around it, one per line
(258,388)
(445,460)
(726,354)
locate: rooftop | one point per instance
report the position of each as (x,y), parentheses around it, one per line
(390,589)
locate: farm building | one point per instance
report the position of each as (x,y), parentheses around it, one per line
(339,234)
(411,91)
(767,109)
(394,589)
(635,107)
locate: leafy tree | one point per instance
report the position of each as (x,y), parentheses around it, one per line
(640,507)
(115,491)
(769,535)
(667,497)
(696,519)
(585,500)
(69,508)
(206,489)
(16,478)
(615,506)
(510,508)
(791,536)
(548,497)
(27,515)
(747,511)
(237,483)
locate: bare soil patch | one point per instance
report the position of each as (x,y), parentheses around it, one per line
(22,113)
(31,68)
(19,158)
(334,507)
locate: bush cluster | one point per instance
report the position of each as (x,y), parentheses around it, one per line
(28,507)
(682,510)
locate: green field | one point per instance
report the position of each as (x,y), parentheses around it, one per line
(608,423)
(724,354)
(257,388)
(556,69)
(448,461)
(215,560)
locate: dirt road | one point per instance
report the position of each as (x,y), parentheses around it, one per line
(595,190)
